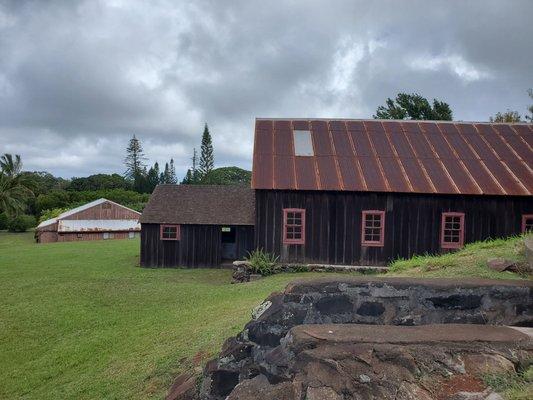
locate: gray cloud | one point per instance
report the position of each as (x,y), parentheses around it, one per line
(77,79)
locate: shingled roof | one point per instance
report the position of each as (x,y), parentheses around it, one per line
(200,204)
(394,156)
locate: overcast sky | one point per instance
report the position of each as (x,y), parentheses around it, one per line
(77,79)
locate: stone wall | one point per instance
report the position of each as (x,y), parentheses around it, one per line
(363,300)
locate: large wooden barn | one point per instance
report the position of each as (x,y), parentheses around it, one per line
(352,192)
(197,225)
(366,192)
(101,219)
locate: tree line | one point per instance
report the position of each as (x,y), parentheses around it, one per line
(26,197)
(146,179)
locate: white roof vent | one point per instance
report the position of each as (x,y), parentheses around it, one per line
(303,145)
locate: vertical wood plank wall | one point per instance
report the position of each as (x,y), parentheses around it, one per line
(199,246)
(412,223)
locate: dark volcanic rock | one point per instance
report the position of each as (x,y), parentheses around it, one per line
(262,348)
(370,308)
(457,302)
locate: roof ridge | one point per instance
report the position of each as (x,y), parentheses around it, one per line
(395,120)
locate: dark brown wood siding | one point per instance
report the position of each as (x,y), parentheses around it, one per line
(199,246)
(412,223)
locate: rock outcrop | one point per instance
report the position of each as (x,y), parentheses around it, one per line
(266,357)
(340,362)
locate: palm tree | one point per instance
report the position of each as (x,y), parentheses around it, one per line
(13,189)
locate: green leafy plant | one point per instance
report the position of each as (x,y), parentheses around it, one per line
(21,223)
(3,221)
(262,262)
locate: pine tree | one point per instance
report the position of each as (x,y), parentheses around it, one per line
(207,161)
(165,175)
(172,173)
(135,158)
(134,161)
(195,173)
(152,178)
(187,180)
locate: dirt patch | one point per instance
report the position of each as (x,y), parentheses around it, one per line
(459,383)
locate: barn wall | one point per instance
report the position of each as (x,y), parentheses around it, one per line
(199,246)
(46,236)
(99,212)
(412,223)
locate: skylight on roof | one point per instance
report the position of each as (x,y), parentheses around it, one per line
(303,146)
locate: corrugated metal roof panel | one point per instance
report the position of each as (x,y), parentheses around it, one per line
(350,175)
(97,225)
(396,156)
(327,173)
(306,177)
(284,172)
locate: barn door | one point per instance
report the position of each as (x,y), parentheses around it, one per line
(229,243)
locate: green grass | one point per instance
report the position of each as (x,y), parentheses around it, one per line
(471,261)
(83,321)
(513,386)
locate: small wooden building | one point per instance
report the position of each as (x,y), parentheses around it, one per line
(365,192)
(101,219)
(197,225)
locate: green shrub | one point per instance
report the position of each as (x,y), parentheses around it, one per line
(21,223)
(262,262)
(52,213)
(3,221)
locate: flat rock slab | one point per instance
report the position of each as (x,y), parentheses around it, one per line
(436,333)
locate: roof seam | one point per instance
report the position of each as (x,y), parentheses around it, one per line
(419,161)
(335,157)
(439,160)
(395,151)
(380,166)
(356,158)
(461,163)
(481,161)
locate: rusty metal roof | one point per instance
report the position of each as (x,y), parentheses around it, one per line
(396,156)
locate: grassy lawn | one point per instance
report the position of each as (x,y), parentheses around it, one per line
(471,261)
(81,320)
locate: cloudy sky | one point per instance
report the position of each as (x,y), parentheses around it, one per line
(78,78)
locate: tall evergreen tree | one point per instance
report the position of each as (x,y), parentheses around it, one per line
(152,178)
(172,173)
(187,180)
(134,161)
(165,175)
(195,172)
(207,160)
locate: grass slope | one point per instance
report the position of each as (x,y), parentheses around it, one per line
(471,261)
(80,320)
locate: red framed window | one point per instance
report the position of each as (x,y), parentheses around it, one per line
(170,232)
(293,226)
(373,228)
(527,223)
(452,235)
